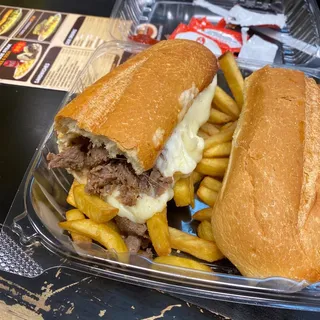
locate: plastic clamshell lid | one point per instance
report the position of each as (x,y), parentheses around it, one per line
(302,23)
(45,193)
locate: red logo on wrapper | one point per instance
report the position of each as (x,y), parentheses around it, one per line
(201,40)
(204,32)
(18,47)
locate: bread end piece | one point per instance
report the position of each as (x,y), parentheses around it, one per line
(265,220)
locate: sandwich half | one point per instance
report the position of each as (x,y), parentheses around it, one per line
(267,216)
(133,133)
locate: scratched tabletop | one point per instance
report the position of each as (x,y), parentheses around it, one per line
(25,115)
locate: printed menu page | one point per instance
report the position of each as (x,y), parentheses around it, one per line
(49,49)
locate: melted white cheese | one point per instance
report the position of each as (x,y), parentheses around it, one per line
(184,148)
(145,207)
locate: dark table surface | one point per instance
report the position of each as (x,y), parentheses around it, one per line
(25,116)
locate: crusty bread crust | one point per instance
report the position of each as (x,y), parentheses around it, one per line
(138,104)
(267,217)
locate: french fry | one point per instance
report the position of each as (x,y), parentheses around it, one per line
(219,126)
(97,231)
(209,129)
(205,231)
(196,177)
(226,126)
(76,214)
(203,135)
(233,76)
(219,150)
(113,226)
(222,136)
(92,206)
(70,197)
(159,233)
(207,195)
(203,214)
(218,117)
(199,248)
(184,192)
(182,262)
(211,183)
(191,190)
(225,103)
(213,167)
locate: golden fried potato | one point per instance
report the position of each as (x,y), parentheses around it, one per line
(196,177)
(184,192)
(222,136)
(99,232)
(199,248)
(226,126)
(207,195)
(70,197)
(209,129)
(113,226)
(218,150)
(203,214)
(233,76)
(182,262)
(203,135)
(92,206)
(215,167)
(211,183)
(218,117)
(205,231)
(76,214)
(159,233)
(225,103)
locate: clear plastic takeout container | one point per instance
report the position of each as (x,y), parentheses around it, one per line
(31,241)
(300,38)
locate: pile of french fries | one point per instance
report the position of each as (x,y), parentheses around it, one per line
(92,220)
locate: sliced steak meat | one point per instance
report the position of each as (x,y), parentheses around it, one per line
(133,243)
(147,253)
(131,228)
(106,175)
(96,156)
(145,243)
(159,182)
(126,195)
(101,179)
(118,174)
(72,158)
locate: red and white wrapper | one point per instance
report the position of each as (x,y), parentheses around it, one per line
(227,39)
(217,39)
(185,32)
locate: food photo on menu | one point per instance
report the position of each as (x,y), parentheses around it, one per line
(41,26)
(19,58)
(187,153)
(9,19)
(47,27)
